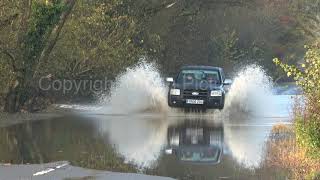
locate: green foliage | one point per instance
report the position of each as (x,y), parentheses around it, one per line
(314,176)
(308,135)
(44,17)
(98,41)
(306,15)
(226,47)
(307,76)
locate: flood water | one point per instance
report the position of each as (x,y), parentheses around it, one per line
(212,145)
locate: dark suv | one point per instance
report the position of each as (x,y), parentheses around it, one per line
(198,87)
(196,141)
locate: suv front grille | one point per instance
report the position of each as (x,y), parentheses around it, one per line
(187,93)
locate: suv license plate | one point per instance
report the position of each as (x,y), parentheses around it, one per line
(194,101)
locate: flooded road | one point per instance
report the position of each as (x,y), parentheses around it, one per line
(214,145)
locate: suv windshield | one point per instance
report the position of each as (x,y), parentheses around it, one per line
(189,76)
(200,154)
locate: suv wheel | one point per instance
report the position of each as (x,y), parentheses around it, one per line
(222,104)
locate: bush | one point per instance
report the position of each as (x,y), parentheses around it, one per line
(307,76)
(308,135)
(314,176)
(283,152)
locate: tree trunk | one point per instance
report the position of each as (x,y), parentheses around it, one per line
(11,99)
(22,92)
(54,34)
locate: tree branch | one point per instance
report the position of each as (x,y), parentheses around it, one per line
(11,56)
(154,10)
(24,20)
(54,35)
(8,21)
(2,5)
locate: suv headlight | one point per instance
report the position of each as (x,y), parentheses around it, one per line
(175,92)
(216,93)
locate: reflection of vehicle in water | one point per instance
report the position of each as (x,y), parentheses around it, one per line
(198,87)
(196,142)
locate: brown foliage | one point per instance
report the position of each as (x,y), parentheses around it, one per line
(285,153)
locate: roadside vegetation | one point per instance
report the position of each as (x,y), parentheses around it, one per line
(284,151)
(302,153)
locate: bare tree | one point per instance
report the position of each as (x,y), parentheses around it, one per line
(21,89)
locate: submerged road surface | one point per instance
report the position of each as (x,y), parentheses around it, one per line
(90,144)
(62,170)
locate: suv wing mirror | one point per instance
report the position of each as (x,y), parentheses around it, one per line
(169,79)
(227,82)
(168,151)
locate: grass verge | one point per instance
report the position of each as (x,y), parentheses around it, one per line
(284,151)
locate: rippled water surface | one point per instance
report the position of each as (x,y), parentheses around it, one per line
(185,146)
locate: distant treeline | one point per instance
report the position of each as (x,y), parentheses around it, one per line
(69,39)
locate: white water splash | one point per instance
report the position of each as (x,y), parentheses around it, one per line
(250,92)
(138,140)
(249,100)
(139,89)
